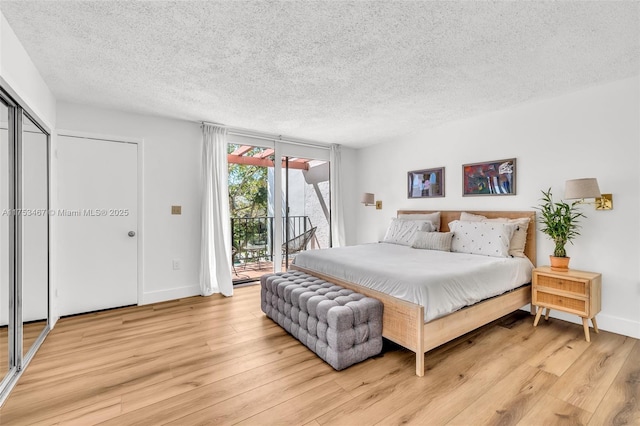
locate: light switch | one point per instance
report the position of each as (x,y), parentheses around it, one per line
(176,209)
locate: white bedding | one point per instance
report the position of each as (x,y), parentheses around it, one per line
(442,282)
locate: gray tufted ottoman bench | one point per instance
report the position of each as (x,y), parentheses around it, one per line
(341,326)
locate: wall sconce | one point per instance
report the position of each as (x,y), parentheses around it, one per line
(579,189)
(368,199)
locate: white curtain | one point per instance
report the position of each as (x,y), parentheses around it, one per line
(337,205)
(215,264)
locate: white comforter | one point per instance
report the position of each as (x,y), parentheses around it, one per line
(442,282)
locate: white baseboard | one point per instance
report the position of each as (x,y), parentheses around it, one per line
(606,322)
(170,294)
(619,325)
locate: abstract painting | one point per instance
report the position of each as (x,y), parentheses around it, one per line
(426,183)
(489,178)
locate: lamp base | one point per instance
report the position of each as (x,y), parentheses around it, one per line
(605,202)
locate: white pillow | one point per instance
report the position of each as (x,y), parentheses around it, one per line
(431,217)
(484,238)
(519,239)
(432,240)
(470,217)
(403,231)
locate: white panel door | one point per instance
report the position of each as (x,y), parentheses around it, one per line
(97,222)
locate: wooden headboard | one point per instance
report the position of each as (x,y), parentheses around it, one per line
(447,216)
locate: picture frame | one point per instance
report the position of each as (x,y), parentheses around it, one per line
(489,178)
(426,183)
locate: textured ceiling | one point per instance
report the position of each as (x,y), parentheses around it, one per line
(355,72)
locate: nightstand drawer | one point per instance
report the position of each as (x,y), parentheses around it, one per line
(572,291)
(561,302)
(577,287)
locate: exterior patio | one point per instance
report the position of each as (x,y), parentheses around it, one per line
(251,271)
(253,244)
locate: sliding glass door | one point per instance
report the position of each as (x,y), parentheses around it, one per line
(251,210)
(279,203)
(307,215)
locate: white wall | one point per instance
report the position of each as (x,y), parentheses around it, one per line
(17,70)
(171,177)
(591,133)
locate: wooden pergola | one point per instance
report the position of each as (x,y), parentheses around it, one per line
(264,158)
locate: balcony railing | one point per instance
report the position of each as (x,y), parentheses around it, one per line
(253,237)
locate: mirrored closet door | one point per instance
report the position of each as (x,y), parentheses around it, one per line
(33,224)
(24,239)
(6,246)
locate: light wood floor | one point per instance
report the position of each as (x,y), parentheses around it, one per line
(221,361)
(31,331)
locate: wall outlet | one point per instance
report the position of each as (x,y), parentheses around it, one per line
(176,264)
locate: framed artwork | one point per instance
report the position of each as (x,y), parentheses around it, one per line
(426,183)
(489,178)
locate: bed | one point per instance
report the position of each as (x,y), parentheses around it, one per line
(406,319)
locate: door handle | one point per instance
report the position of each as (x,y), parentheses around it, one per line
(131,234)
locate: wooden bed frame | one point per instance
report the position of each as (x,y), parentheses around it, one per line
(403,322)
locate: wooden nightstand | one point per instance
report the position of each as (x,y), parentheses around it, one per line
(575,292)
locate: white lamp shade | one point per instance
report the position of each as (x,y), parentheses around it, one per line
(368,198)
(581,188)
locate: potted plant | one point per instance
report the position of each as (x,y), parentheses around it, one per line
(560,222)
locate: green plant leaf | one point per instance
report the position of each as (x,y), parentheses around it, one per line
(559,221)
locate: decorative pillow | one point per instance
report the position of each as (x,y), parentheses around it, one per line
(470,217)
(431,217)
(485,238)
(432,240)
(519,239)
(402,231)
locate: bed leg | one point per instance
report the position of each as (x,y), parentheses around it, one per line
(419,342)
(419,364)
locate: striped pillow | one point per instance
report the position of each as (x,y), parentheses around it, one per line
(402,231)
(433,240)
